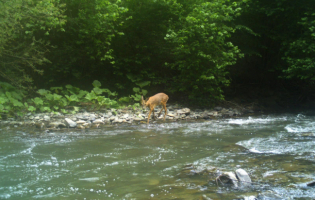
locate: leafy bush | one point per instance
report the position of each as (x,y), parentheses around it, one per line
(57,99)
(11,100)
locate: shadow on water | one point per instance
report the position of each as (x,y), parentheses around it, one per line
(177,160)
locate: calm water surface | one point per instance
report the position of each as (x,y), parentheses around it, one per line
(150,161)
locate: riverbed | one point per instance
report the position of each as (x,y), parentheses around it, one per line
(161,160)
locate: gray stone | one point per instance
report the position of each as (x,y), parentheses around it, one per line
(250,198)
(243,177)
(125,116)
(311,184)
(57,125)
(213,113)
(218,108)
(46,118)
(171,114)
(117,120)
(71,123)
(92,117)
(185,111)
(80,121)
(229,177)
(98,121)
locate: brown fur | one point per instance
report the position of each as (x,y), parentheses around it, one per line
(158,99)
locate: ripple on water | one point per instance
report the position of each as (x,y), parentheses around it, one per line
(137,161)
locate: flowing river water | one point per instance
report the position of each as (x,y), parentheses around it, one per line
(150,161)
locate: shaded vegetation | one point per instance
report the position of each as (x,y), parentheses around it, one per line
(195,51)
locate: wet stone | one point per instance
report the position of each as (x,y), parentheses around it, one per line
(243,177)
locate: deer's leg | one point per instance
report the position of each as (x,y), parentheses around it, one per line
(160,111)
(164,106)
(153,114)
(149,115)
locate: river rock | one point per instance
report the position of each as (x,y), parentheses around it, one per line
(250,198)
(92,117)
(36,118)
(171,114)
(185,111)
(243,177)
(98,121)
(40,125)
(57,125)
(46,118)
(217,108)
(125,116)
(228,177)
(138,118)
(80,122)
(71,123)
(117,120)
(311,184)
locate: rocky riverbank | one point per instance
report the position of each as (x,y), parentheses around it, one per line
(96,119)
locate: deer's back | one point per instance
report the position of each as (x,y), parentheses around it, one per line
(158,99)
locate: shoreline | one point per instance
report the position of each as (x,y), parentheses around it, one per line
(96,119)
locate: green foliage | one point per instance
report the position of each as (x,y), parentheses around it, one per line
(299,53)
(201,49)
(282,39)
(11,100)
(86,44)
(23,28)
(188,49)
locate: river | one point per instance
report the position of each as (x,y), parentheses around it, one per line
(150,161)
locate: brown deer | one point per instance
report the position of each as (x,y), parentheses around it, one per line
(158,99)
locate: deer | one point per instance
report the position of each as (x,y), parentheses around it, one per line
(158,99)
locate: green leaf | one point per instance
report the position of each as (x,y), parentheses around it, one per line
(31,109)
(98,90)
(57,97)
(96,84)
(72,98)
(144,92)
(38,101)
(43,92)
(45,109)
(17,103)
(136,90)
(143,83)
(49,97)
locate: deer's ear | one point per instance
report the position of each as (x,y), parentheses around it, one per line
(142,98)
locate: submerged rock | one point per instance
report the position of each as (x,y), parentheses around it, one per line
(228,178)
(243,177)
(311,184)
(239,179)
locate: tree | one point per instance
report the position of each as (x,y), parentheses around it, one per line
(201,49)
(23,26)
(179,46)
(84,51)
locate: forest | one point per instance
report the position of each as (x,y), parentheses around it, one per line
(57,55)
